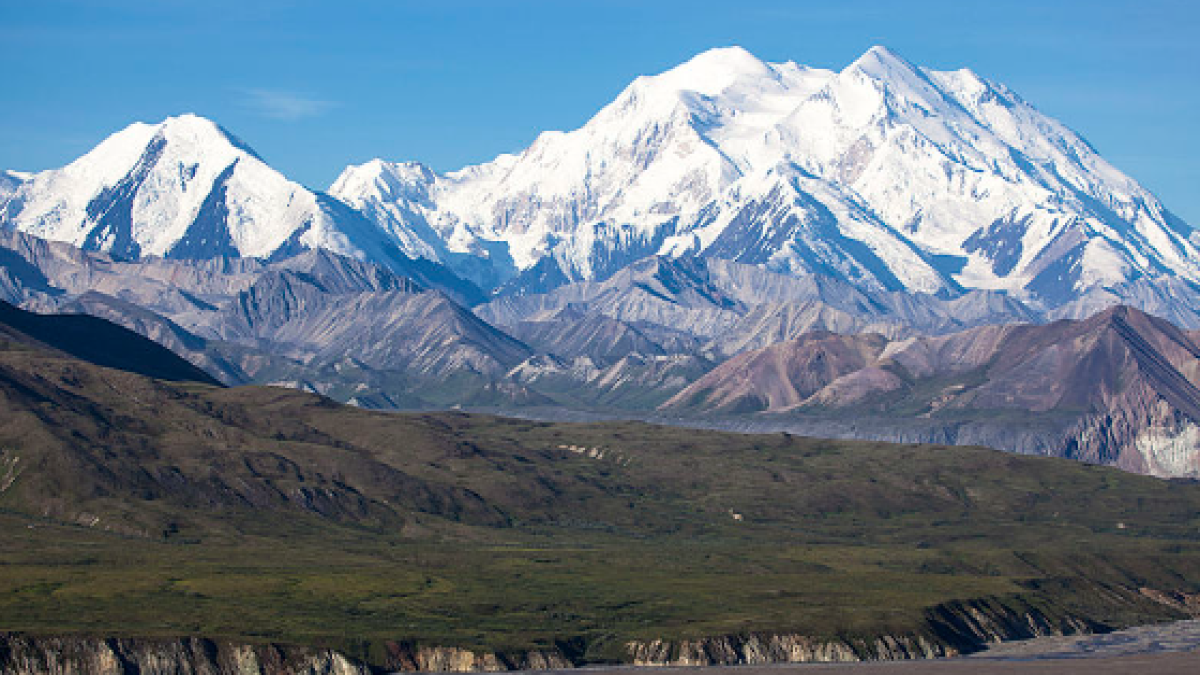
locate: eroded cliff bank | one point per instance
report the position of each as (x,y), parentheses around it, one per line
(81,655)
(78,655)
(949,629)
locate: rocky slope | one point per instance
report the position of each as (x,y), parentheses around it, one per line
(1118,388)
(727,307)
(317,320)
(786,375)
(361,333)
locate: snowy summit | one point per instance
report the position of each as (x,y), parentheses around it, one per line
(886,174)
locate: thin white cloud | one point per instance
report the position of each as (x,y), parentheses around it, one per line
(285,105)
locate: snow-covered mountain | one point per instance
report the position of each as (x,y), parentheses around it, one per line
(183,188)
(9,182)
(890,175)
(886,175)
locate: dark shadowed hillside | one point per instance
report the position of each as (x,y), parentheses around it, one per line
(96,341)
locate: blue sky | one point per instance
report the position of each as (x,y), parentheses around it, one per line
(313,86)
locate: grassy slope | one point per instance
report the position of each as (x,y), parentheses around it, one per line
(268,514)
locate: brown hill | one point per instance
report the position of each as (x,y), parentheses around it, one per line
(1125,380)
(781,376)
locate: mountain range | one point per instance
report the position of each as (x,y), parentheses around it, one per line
(756,243)
(885,174)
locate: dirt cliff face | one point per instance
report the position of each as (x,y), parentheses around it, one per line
(785,648)
(951,629)
(80,655)
(27,655)
(407,657)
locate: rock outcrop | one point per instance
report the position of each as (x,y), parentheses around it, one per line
(29,655)
(409,657)
(951,629)
(81,655)
(785,648)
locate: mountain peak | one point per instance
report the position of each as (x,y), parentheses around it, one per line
(881,62)
(181,188)
(191,136)
(392,180)
(731,56)
(201,132)
(711,72)
(1118,314)
(190,122)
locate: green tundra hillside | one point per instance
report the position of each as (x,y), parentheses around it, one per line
(140,507)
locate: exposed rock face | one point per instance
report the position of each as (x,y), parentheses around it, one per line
(407,657)
(27,655)
(760,649)
(970,625)
(78,655)
(1188,603)
(953,629)
(728,307)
